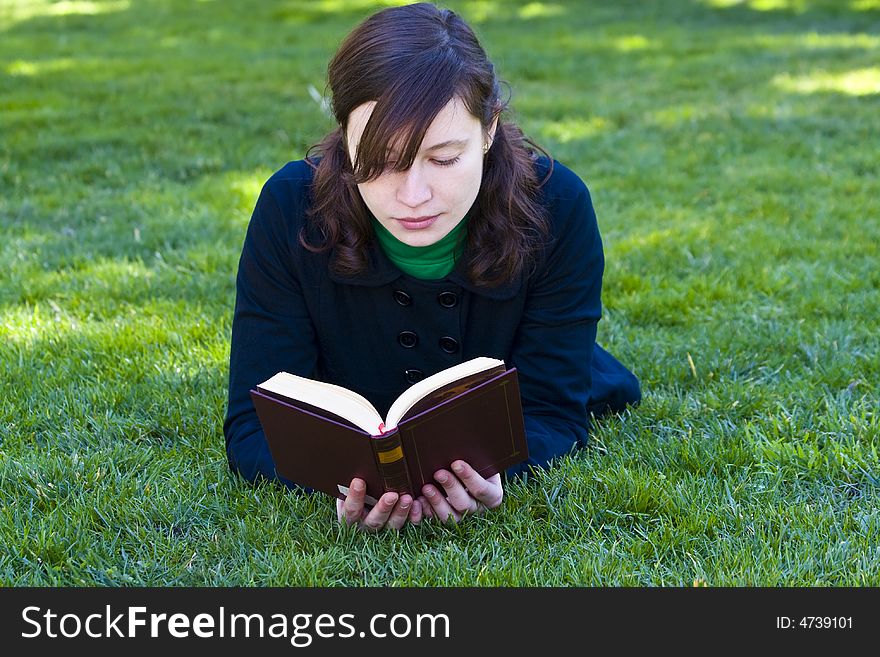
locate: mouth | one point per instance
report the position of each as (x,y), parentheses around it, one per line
(417,223)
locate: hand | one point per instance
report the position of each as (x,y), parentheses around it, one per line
(392,511)
(464,493)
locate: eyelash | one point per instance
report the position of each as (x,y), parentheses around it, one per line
(389,166)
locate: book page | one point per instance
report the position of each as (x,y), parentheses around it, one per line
(335,399)
(413,395)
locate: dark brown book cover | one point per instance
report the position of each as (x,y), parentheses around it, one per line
(482,425)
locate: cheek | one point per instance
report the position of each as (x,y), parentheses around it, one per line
(463,184)
(375,194)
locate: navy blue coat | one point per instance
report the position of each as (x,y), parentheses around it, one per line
(380,332)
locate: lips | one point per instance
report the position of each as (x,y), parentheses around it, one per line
(417,223)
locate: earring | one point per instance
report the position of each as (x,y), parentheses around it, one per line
(485,149)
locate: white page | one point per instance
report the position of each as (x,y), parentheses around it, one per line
(336,399)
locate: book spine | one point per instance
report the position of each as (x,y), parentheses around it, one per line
(391,462)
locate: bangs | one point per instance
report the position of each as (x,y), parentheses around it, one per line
(401,117)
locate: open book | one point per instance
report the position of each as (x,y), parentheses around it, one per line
(322,435)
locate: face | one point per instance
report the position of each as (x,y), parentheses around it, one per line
(421,205)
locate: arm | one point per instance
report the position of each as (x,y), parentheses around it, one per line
(553,349)
(271,331)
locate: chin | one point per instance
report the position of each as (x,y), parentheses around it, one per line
(418,240)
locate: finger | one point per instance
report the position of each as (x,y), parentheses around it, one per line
(400,512)
(427,511)
(378,515)
(353,507)
(456,493)
(415,513)
(488,492)
(440,505)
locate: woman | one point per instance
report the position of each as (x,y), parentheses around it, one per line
(424,231)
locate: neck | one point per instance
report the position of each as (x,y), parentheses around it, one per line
(430,262)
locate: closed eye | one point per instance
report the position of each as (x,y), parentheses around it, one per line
(447,163)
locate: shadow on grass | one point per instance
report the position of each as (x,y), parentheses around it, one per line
(131,381)
(150,124)
(167,91)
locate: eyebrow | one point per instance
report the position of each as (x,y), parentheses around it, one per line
(451,142)
(444,144)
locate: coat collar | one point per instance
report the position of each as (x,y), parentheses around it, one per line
(381,271)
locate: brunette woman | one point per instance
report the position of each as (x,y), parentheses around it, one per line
(424,231)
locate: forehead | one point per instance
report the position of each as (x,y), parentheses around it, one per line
(453,122)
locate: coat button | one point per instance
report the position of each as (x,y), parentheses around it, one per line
(449,345)
(414,376)
(407,339)
(447,299)
(402,298)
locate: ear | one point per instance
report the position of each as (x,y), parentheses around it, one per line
(347,147)
(490,133)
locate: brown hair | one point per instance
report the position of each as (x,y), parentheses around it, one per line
(412,61)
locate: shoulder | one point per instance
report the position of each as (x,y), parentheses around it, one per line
(290,185)
(283,201)
(566,199)
(295,172)
(563,187)
(573,240)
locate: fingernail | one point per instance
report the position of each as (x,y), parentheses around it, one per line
(456,467)
(441,478)
(358,486)
(430,492)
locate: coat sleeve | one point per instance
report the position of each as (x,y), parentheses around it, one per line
(271,331)
(553,348)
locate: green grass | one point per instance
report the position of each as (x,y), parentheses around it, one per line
(731,149)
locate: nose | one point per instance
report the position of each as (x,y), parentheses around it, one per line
(413,189)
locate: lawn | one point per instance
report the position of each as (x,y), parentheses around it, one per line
(733,161)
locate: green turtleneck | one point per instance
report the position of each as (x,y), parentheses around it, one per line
(425,262)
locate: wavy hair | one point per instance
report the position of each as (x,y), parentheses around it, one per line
(412,61)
